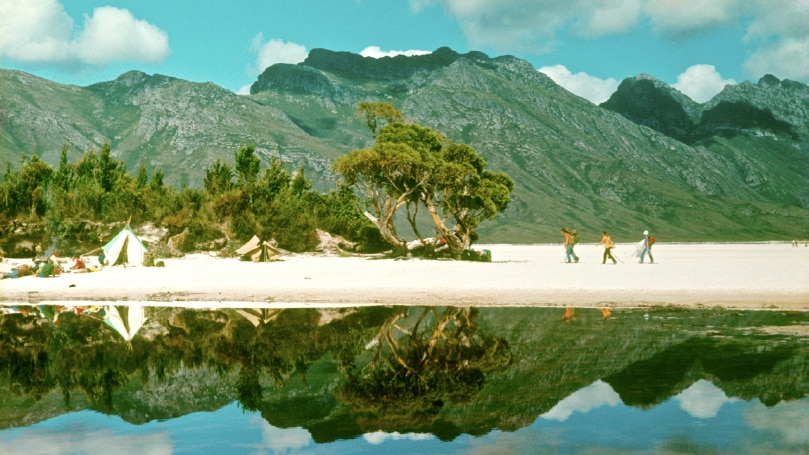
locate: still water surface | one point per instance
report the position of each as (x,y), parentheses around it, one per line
(403,380)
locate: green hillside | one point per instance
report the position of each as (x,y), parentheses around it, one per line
(573,163)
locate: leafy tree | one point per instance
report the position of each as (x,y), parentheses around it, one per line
(275,180)
(248,165)
(143,177)
(299,183)
(392,173)
(64,178)
(465,192)
(411,166)
(110,169)
(219,178)
(374,113)
(28,190)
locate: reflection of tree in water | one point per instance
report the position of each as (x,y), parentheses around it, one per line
(416,368)
(75,354)
(24,354)
(422,361)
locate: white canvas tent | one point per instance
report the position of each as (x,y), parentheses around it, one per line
(258,251)
(125,248)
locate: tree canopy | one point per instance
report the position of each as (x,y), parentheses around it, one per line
(411,167)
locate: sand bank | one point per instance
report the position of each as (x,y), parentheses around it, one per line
(741,276)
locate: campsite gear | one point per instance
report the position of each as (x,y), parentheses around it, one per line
(257,251)
(639,247)
(125,249)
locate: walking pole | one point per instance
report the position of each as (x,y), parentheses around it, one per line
(616,257)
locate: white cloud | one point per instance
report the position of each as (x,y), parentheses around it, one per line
(787,18)
(584,400)
(582,84)
(39,32)
(788,420)
(611,19)
(787,59)
(702,400)
(81,435)
(280,440)
(113,34)
(776,34)
(276,51)
(521,24)
(378,437)
(34,31)
(685,17)
(531,26)
(377,52)
(701,82)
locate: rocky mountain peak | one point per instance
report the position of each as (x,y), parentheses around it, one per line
(648,101)
(768,81)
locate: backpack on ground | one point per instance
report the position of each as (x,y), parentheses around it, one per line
(574,236)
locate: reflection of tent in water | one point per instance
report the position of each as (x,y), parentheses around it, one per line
(258,316)
(125,248)
(258,251)
(126,320)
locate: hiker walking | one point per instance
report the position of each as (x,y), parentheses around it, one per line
(608,246)
(571,238)
(647,243)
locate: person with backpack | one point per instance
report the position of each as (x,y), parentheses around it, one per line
(608,246)
(571,239)
(647,243)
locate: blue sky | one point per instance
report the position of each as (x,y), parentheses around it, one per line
(587,46)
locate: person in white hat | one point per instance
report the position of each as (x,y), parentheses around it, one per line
(648,241)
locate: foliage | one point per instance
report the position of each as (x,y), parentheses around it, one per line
(374,113)
(237,201)
(421,364)
(410,167)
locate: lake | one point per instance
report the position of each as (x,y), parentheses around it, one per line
(403,379)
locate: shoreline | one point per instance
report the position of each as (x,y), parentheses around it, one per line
(743,276)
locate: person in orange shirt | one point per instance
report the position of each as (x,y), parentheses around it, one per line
(608,246)
(569,247)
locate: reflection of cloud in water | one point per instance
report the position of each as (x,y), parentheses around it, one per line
(789,420)
(81,439)
(702,400)
(378,437)
(584,400)
(518,443)
(281,440)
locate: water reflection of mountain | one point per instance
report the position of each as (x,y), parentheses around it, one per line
(343,373)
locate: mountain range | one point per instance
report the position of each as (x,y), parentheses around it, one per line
(733,168)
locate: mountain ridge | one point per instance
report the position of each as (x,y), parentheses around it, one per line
(574,163)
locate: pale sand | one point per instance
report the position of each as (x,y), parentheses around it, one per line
(738,276)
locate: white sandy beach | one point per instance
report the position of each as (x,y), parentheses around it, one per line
(741,276)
